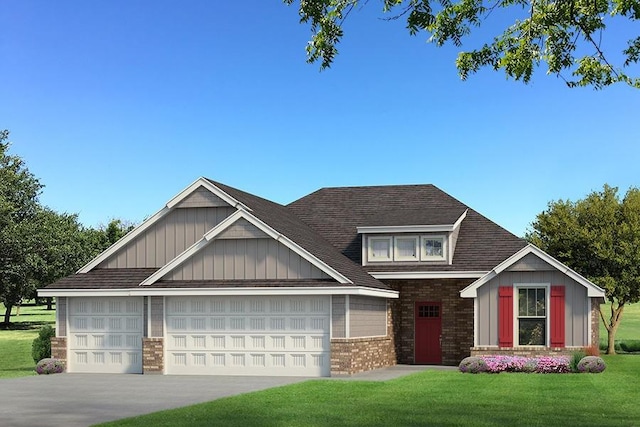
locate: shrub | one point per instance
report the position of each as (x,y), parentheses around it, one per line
(50,366)
(41,347)
(473,365)
(592,350)
(592,364)
(630,346)
(576,357)
(553,365)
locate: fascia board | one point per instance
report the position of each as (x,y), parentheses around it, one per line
(147,291)
(405,229)
(427,274)
(203,182)
(130,236)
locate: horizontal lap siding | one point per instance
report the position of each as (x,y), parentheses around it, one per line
(246,259)
(169,237)
(576,315)
(367,316)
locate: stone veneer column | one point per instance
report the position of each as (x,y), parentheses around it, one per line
(152,355)
(59,348)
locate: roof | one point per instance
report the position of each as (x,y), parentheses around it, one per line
(335,213)
(104,278)
(592,289)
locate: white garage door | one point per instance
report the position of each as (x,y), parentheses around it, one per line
(105,334)
(284,336)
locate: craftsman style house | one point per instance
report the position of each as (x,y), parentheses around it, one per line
(343,280)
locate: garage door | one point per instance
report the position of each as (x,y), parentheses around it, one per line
(285,336)
(105,335)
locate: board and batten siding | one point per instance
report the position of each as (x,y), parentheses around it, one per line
(245,259)
(202,198)
(367,316)
(167,238)
(576,311)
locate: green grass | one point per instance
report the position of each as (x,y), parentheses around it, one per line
(629,327)
(439,398)
(15,343)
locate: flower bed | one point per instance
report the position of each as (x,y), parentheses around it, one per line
(50,366)
(497,364)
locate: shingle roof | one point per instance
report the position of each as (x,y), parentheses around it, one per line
(105,278)
(336,212)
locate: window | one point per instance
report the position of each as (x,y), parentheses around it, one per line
(406,249)
(380,249)
(532,316)
(432,247)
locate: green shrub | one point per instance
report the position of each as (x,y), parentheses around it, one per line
(41,347)
(630,346)
(576,357)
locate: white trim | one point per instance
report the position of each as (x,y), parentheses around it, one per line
(459,220)
(405,229)
(427,274)
(248,291)
(476,321)
(169,206)
(516,313)
(471,291)
(589,328)
(228,222)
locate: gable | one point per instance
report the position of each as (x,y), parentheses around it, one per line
(245,259)
(242,229)
(202,198)
(167,238)
(530,262)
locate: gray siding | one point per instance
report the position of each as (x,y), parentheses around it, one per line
(168,238)
(338,316)
(245,259)
(576,301)
(61,316)
(530,262)
(367,316)
(242,229)
(157,316)
(202,198)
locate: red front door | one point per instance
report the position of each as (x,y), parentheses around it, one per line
(428,333)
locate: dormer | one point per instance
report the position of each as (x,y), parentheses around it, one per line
(432,243)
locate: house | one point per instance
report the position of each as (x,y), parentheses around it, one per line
(343,280)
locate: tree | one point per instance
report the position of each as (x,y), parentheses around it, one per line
(19,191)
(599,237)
(568,35)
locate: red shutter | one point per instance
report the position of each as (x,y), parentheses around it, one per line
(557,316)
(505,316)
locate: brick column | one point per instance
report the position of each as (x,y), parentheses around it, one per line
(59,348)
(152,355)
(595,321)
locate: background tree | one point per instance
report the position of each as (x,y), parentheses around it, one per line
(599,237)
(568,35)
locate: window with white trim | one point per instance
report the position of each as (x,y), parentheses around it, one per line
(432,247)
(380,249)
(532,316)
(406,248)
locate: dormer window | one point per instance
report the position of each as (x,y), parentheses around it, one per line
(405,248)
(432,247)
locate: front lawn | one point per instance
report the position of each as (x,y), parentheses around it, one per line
(15,343)
(444,398)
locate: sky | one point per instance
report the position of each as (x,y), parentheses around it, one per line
(116,106)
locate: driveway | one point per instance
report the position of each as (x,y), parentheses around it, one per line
(86,399)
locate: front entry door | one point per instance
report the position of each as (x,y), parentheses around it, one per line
(428,316)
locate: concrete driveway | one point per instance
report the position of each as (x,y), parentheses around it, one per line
(86,399)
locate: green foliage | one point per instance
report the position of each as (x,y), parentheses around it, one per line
(576,357)
(566,35)
(629,346)
(41,348)
(599,237)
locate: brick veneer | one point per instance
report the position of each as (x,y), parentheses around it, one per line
(457,317)
(352,355)
(523,351)
(152,355)
(595,320)
(59,348)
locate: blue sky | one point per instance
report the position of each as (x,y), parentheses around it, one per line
(118,105)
